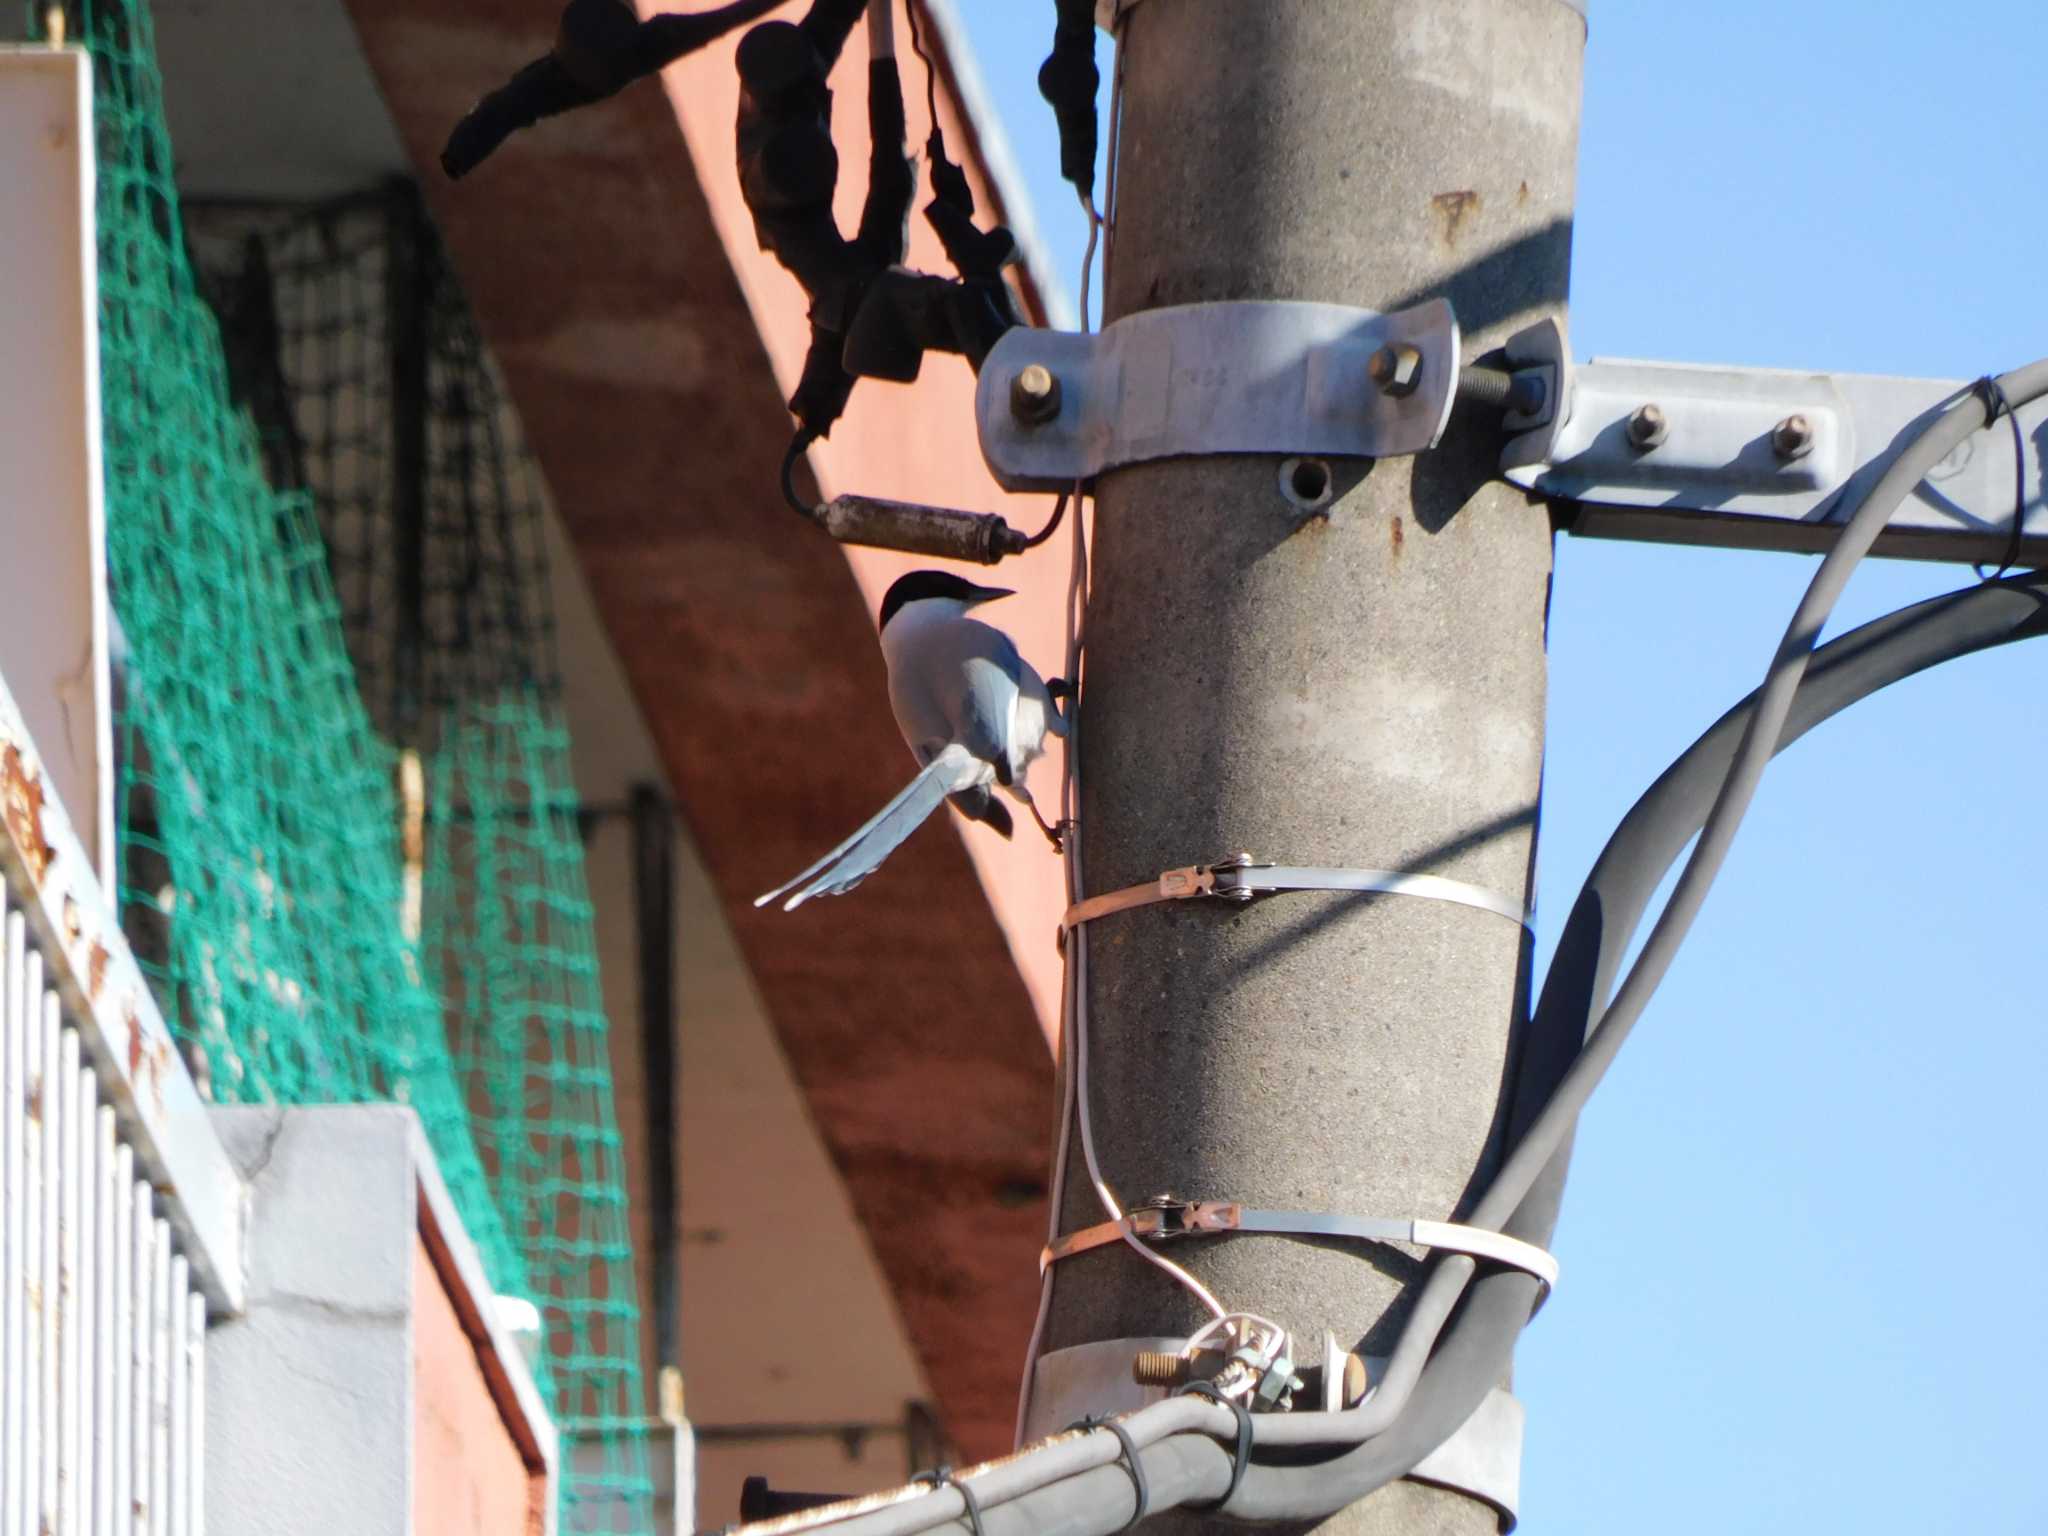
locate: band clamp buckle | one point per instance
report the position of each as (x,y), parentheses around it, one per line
(1163,1217)
(1220,879)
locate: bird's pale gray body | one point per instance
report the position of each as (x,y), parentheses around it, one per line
(956,679)
(975,715)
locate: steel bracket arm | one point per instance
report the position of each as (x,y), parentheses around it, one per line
(1761,458)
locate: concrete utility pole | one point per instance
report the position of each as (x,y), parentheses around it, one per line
(1362,686)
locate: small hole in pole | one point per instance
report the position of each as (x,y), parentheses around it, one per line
(1306,483)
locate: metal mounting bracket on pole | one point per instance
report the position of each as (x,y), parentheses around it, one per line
(1759,458)
(1266,377)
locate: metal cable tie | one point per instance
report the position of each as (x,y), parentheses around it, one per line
(1195,1218)
(1242,878)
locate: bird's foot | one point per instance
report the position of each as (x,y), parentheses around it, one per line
(1063,694)
(1052,833)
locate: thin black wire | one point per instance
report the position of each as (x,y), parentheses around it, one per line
(1995,402)
(942,1477)
(1059,511)
(1210,1390)
(797,445)
(1129,1457)
(931,88)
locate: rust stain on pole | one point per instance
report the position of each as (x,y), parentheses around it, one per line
(1452,209)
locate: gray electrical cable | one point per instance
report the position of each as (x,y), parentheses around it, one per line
(1475,1350)
(1431,1417)
(1759,742)
(1608,909)
(1055,1484)
(1616,893)
(1551,1128)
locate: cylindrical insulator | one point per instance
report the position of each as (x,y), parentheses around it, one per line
(920,530)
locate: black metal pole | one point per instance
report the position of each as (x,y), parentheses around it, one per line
(654,914)
(410,276)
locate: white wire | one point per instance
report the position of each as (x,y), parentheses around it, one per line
(1070,791)
(1074,993)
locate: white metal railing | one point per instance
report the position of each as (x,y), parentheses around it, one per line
(122,1221)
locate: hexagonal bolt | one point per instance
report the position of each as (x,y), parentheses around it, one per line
(1396,368)
(1792,438)
(1527,394)
(1648,426)
(1035,395)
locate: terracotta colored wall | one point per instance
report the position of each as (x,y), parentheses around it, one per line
(915,442)
(469,1477)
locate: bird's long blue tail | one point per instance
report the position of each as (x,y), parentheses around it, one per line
(861,854)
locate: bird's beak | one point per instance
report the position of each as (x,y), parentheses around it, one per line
(989,595)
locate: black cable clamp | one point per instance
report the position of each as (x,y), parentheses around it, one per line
(1129,1457)
(942,1477)
(1210,1390)
(1995,405)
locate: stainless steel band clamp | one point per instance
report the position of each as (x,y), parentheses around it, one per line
(1262,376)
(1164,1219)
(1241,878)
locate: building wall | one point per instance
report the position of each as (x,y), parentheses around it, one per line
(785,1314)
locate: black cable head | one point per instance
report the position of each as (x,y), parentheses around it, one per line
(1068,80)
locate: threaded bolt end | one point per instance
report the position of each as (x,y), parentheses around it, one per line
(1035,395)
(1648,426)
(1484,386)
(1156,1368)
(1792,438)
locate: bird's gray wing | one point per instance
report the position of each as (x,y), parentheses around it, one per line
(960,685)
(860,855)
(997,676)
(988,709)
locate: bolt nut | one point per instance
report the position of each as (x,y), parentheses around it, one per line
(1792,438)
(1528,393)
(1648,426)
(1035,395)
(1396,368)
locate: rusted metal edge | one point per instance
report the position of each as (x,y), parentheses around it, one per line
(87,961)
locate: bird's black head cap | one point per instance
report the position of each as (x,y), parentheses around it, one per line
(919,585)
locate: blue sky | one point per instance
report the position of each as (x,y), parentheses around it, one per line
(1804,1242)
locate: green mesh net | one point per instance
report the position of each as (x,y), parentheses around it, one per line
(350,850)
